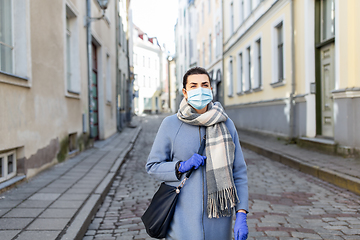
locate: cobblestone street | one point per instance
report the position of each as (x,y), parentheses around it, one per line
(284,203)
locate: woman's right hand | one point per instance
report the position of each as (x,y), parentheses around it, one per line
(195,161)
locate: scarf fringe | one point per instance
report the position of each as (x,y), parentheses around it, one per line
(221,203)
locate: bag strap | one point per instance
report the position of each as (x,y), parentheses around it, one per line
(200,151)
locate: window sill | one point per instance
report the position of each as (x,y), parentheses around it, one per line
(14,79)
(74,95)
(278,84)
(258,89)
(248,91)
(240,93)
(231,96)
(108,103)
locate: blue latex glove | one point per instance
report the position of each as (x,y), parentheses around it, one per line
(195,161)
(241,229)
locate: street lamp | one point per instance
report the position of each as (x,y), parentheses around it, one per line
(103,5)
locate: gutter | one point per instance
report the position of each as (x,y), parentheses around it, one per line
(293,84)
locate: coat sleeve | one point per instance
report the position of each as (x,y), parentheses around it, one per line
(160,163)
(240,173)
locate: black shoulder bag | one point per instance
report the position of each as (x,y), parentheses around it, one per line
(158,215)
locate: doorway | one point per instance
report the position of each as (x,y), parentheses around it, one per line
(327,85)
(94,111)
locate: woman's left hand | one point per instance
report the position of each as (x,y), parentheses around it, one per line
(241,229)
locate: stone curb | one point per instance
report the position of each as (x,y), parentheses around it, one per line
(339,179)
(82,220)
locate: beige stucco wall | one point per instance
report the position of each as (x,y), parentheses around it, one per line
(349,49)
(42,111)
(264,29)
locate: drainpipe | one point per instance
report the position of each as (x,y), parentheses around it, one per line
(118,125)
(89,60)
(292,104)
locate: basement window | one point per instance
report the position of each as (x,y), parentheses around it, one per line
(72,142)
(7,165)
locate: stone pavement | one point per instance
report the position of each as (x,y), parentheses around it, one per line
(343,172)
(285,204)
(60,202)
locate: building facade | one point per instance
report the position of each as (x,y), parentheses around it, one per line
(290,69)
(198,34)
(209,42)
(45,82)
(149,66)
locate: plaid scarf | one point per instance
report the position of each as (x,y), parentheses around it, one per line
(222,196)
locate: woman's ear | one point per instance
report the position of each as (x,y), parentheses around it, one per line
(185,93)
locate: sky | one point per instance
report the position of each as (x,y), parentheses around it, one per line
(157,18)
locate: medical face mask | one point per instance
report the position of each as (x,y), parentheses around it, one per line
(200,97)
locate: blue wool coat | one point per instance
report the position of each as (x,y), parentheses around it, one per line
(178,141)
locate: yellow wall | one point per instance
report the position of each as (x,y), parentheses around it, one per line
(264,29)
(349,52)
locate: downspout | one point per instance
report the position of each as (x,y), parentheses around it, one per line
(130,85)
(118,125)
(293,84)
(89,61)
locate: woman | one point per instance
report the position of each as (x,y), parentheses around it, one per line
(219,185)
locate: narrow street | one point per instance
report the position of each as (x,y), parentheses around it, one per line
(284,203)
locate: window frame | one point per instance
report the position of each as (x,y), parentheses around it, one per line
(72,55)
(210,49)
(21,74)
(10,45)
(232,20)
(258,75)
(275,52)
(5,165)
(240,75)
(231,77)
(249,66)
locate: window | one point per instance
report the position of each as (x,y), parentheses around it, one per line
(258,64)
(149,84)
(189,17)
(280,52)
(147,103)
(250,6)
(327,19)
(108,78)
(242,16)
(203,56)
(231,79)
(6,31)
(241,75)
(181,44)
(8,166)
(248,50)
(191,46)
(135,58)
(203,13)
(68,52)
(231,18)
(143,61)
(209,4)
(144,82)
(14,40)
(72,53)
(210,49)
(185,47)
